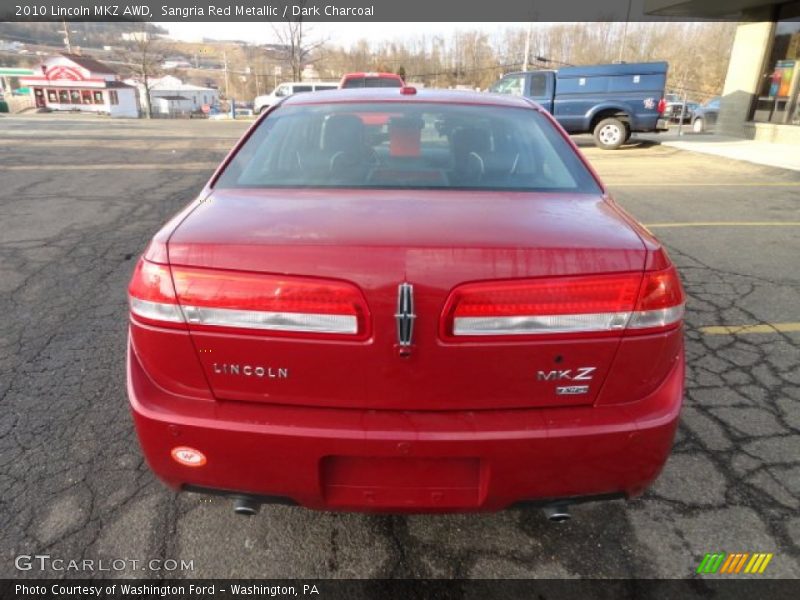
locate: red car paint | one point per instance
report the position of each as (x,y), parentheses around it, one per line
(357,421)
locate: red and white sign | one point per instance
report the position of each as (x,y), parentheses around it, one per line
(188,457)
(64,72)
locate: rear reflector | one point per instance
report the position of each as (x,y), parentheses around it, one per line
(565,305)
(656,318)
(156,311)
(188,457)
(237,300)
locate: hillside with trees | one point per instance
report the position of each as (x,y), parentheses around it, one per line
(697,53)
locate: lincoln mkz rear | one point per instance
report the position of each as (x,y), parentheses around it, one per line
(386,300)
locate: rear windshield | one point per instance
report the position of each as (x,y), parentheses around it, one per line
(407,145)
(372,82)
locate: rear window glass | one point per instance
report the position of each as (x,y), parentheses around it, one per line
(372,82)
(407,145)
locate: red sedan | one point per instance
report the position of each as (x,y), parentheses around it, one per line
(386,300)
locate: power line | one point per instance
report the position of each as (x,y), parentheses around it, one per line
(463,71)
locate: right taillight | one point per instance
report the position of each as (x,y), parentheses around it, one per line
(230,300)
(565,306)
(661,301)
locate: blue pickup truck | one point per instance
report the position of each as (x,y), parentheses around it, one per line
(609,101)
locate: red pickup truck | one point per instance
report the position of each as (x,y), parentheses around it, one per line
(370,80)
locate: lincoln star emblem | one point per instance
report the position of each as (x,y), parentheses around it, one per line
(405,317)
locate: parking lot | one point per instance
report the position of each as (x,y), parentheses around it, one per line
(79,199)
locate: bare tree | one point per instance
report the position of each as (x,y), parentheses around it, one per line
(697,53)
(148,54)
(294,35)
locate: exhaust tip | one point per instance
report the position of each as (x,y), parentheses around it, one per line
(557,514)
(246,507)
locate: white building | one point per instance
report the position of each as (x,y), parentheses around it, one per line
(172,106)
(184,98)
(136,36)
(309,73)
(78,83)
(10,46)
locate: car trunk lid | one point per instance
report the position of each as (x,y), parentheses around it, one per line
(380,240)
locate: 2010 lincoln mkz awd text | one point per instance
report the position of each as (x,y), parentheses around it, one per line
(402,301)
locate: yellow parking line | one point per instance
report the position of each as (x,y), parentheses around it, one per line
(726,224)
(760,328)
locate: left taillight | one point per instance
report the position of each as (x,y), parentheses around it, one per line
(217,300)
(151,295)
(662,106)
(565,306)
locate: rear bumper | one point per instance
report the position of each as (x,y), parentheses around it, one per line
(395,461)
(662,124)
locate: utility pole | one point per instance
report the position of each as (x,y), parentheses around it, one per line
(66,37)
(527,48)
(225,61)
(625,33)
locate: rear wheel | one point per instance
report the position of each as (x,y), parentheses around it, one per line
(699,125)
(610,134)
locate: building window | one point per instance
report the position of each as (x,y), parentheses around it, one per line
(52,97)
(75,96)
(778,99)
(98,98)
(112,94)
(86,96)
(63,96)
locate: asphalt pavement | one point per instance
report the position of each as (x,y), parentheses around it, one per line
(79,199)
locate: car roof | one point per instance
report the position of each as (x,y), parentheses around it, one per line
(308,83)
(371,74)
(422,95)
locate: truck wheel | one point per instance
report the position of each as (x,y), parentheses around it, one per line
(609,134)
(628,133)
(698,125)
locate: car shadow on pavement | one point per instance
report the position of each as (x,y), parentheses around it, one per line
(588,142)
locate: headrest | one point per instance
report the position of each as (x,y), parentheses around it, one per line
(470,139)
(342,132)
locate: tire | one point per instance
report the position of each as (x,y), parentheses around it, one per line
(628,133)
(609,134)
(699,125)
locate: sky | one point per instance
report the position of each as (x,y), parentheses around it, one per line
(342,34)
